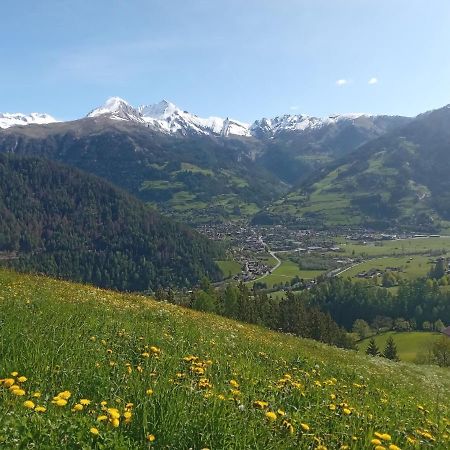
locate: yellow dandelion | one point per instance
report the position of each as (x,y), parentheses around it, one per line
(40,409)
(85,401)
(19,392)
(375,442)
(305,426)
(8,382)
(94,431)
(102,418)
(150,437)
(234,383)
(59,401)
(271,416)
(29,404)
(115,422)
(149,391)
(37,395)
(393,447)
(22,379)
(346,411)
(78,407)
(14,374)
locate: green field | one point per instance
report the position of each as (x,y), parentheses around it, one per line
(288,270)
(409,344)
(85,368)
(416,267)
(229,267)
(397,247)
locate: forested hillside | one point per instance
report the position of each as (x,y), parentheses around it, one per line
(398,180)
(192,179)
(63,222)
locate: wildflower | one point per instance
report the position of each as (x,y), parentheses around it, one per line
(94,431)
(18,392)
(40,409)
(113,413)
(14,374)
(37,395)
(78,407)
(383,436)
(59,401)
(346,411)
(260,404)
(8,382)
(149,391)
(393,447)
(102,418)
(380,447)
(288,426)
(150,437)
(271,416)
(305,427)
(64,395)
(234,383)
(332,407)
(29,404)
(155,350)
(145,355)
(22,379)
(115,423)
(375,442)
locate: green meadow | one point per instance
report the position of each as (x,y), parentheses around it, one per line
(85,368)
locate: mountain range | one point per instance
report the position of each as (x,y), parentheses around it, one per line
(193,169)
(348,169)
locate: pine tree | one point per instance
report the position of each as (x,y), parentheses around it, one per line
(372,349)
(390,351)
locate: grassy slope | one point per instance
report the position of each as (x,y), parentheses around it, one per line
(409,345)
(65,336)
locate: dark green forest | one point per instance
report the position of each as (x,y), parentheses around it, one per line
(65,223)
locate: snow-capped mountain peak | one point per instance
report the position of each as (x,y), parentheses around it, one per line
(117,108)
(12,119)
(302,123)
(168,118)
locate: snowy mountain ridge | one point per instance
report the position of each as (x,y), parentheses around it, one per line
(167,118)
(12,119)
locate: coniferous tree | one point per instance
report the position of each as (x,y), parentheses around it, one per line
(372,349)
(390,350)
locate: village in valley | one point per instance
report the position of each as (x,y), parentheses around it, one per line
(280,258)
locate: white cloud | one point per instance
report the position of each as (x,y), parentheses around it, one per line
(341,82)
(373,80)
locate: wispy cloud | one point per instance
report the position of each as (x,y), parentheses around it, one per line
(341,82)
(117,62)
(373,80)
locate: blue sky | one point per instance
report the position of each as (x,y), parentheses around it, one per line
(239,58)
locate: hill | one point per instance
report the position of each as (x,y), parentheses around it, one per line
(60,221)
(398,180)
(109,370)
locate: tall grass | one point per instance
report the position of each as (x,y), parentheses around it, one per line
(180,379)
